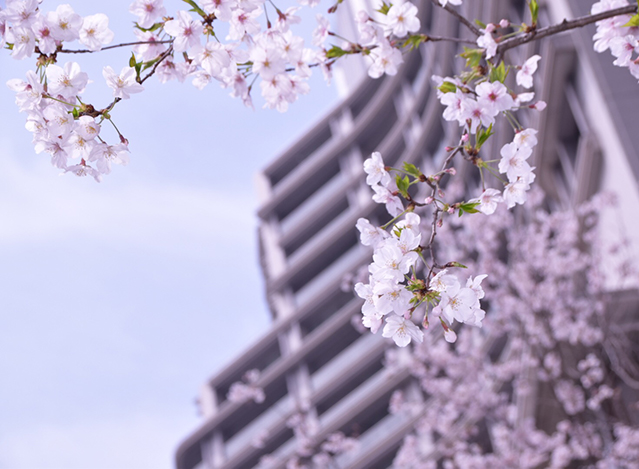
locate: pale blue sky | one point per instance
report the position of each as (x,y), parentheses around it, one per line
(118,300)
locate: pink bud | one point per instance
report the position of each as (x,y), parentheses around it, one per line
(440,223)
(490,27)
(451,210)
(539,105)
(504,23)
(450,336)
(465,138)
(429,200)
(440,193)
(451,171)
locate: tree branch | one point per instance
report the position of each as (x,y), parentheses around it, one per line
(125,44)
(166,53)
(473,29)
(565,25)
(449,39)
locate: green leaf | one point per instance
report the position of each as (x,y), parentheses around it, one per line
(468,207)
(384,8)
(534,10)
(335,52)
(472,56)
(457,264)
(412,170)
(155,27)
(483,135)
(76,113)
(447,87)
(498,73)
(196,8)
(634,21)
(414,41)
(481,24)
(402,184)
(132,60)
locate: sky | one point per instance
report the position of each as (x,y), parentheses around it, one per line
(118,300)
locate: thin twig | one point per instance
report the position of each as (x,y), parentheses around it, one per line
(166,53)
(450,39)
(125,44)
(473,29)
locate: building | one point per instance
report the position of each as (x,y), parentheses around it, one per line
(313,360)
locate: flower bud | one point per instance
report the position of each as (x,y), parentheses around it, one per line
(504,23)
(450,336)
(539,105)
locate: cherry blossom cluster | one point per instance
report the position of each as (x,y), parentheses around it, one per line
(68,131)
(312,449)
(247,389)
(547,338)
(394,284)
(30,31)
(62,125)
(51,97)
(237,43)
(620,34)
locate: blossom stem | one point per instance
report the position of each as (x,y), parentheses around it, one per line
(48,96)
(383,227)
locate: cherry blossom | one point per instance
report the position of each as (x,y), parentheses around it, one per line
(123,85)
(524,76)
(95,32)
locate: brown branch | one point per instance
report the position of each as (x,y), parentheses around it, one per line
(166,53)
(449,39)
(125,44)
(565,25)
(473,29)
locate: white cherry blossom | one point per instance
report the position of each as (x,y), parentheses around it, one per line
(124,84)
(95,31)
(402,331)
(525,75)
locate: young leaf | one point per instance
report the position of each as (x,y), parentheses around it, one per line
(196,8)
(483,135)
(402,184)
(414,41)
(412,170)
(447,87)
(384,8)
(498,73)
(132,60)
(335,52)
(472,56)
(534,10)
(468,207)
(634,21)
